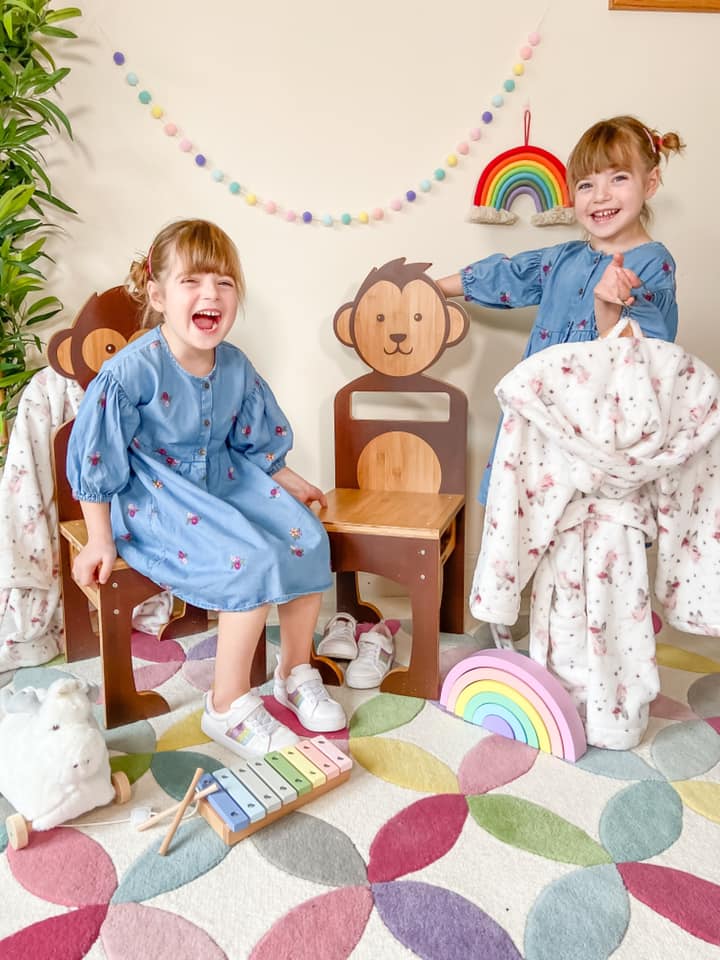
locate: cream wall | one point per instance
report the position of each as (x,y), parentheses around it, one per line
(333,107)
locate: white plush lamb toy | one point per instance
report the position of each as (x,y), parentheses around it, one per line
(54,763)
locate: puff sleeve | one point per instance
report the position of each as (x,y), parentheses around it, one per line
(655,308)
(501,281)
(261,432)
(97,460)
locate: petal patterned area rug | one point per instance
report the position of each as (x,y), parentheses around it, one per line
(448,842)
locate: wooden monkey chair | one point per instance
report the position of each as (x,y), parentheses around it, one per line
(398,507)
(105,325)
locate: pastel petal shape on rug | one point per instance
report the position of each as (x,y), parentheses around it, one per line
(404,764)
(136,930)
(174,769)
(641,821)
(689,901)
(147,647)
(584,914)
(153,675)
(205,650)
(704,696)
(679,659)
(305,846)
(40,677)
(138,737)
(71,934)
(133,764)
(686,750)
(701,796)
(288,718)
(714,722)
(195,850)
(668,709)
(64,866)
(434,922)
(417,836)
(534,828)
(199,673)
(617,765)
(494,762)
(336,920)
(384,712)
(184,733)
(449,656)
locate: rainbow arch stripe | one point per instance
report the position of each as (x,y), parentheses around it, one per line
(511,695)
(523,170)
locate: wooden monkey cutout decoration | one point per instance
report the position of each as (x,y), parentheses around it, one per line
(399,323)
(106,324)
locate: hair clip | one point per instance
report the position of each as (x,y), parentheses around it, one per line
(148,264)
(655,141)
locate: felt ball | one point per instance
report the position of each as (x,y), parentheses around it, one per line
(234,186)
(132,79)
(185,145)
(217,175)
(346,219)
(144,96)
(290,216)
(363,217)
(378,213)
(410,196)
(307,217)
(533,39)
(439,174)
(119,58)
(170,129)
(487,117)
(327,220)
(156,112)
(519,69)
(509,86)
(526,52)
(396,204)
(270,206)
(463,148)
(498,100)
(425,185)
(452,160)
(251,199)
(200,159)
(475,133)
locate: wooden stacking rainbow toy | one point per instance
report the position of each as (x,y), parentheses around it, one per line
(253,793)
(508,693)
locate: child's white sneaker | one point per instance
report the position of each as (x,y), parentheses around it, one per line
(376,650)
(338,638)
(303,692)
(246,728)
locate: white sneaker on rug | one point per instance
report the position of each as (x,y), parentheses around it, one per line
(303,692)
(338,638)
(246,728)
(376,650)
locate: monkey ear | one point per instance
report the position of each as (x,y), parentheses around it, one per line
(341,324)
(58,353)
(459,323)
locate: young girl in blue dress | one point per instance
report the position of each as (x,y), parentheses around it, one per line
(582,287)
(178,459)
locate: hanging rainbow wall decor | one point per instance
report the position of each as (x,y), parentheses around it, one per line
(525,170)
(511,695)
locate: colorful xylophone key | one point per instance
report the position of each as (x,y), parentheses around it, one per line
(253,793)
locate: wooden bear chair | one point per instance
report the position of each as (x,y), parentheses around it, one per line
(105,325)
(398,508)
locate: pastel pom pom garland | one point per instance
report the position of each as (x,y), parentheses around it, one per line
(377,214)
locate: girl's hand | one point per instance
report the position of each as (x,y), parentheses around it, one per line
(617,282)
(94,563)
(299,488)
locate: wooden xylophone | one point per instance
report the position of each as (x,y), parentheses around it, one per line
(241,799)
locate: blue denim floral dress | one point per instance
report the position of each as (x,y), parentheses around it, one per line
(560,280)
(187,463)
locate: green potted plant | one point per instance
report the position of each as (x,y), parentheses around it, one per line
(28,73)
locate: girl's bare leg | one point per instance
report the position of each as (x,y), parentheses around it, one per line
(297,624)
(238,635)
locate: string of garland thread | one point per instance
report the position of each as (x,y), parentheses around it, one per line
(253,199)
